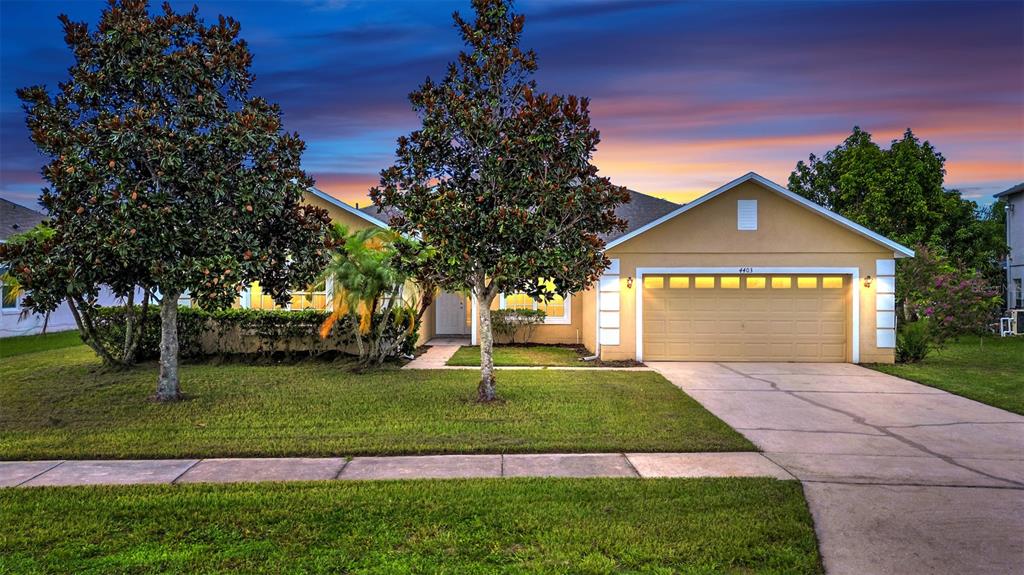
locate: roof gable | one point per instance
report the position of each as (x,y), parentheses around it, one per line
(900,250)
(347,208)
(1019,188)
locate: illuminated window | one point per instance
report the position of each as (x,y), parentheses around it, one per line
(518,301)
(703,282)
(313,297)
(755,283)
(730,282)
(832,282)
(782,283)
(654,282)
(557,308)
(806,283)
(678,282)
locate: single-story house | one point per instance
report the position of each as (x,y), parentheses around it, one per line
(747,272)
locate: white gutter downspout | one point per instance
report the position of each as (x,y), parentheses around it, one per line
(597,326)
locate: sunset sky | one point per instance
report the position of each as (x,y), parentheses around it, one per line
(687,95)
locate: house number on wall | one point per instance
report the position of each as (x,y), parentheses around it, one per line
(746,270)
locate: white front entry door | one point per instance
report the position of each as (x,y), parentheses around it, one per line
(451,314)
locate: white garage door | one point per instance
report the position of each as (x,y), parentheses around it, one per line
(745,318)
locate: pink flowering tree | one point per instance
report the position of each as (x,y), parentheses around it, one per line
(954,301)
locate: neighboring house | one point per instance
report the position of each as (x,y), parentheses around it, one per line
(1014,198)
(16,219)
(747,272)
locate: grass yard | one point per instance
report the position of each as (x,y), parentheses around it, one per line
(741,526)
(59,404)
(11,346)
(521,355)
(991,372)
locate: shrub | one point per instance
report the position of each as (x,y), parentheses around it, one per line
(230,331)
(955,301)
(507,323)
(914,342)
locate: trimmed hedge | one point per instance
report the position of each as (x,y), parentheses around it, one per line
(231,331)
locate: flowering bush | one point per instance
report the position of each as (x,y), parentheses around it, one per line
(954,301)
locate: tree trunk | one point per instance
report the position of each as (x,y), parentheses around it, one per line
(167,386)
(83,319)
(486,391)
(127,350)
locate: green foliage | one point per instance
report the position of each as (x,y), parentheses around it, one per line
(914,342)
(277,331)
(368,272)
(499,178)
(164,173)
(956,301)
(898,192)
(508,323)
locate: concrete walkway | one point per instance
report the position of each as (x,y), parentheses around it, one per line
(901,478)
(128,472)
(442,349)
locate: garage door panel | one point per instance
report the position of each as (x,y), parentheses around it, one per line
(756,324)
(837,328)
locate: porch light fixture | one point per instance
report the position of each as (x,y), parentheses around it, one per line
(867,281)
(629,282)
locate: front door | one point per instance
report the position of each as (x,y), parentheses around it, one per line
(451,314)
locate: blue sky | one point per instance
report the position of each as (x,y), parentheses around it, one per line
(687,95)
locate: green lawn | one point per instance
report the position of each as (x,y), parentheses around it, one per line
(11,346)
(521,355)
(59,404)
(991,372)
(740,526)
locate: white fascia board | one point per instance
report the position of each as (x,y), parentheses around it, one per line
(898,250)
(350,209)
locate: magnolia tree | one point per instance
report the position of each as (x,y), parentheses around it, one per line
(499,179)
(164,173)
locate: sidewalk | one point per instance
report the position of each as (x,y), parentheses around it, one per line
(167,471)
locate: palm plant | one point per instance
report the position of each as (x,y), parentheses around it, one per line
(368,287)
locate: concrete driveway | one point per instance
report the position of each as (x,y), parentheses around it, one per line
(901,478)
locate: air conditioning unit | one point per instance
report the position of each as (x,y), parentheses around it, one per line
(1012,323)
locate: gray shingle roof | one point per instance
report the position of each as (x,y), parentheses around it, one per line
(641,210)
(15,218)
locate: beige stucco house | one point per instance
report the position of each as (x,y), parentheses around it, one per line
(747,272)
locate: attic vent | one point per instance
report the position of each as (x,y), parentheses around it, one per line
(746,214)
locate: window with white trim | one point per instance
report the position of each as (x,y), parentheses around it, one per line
(557,308)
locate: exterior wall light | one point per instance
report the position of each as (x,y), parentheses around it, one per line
(867,281)
(629,282)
